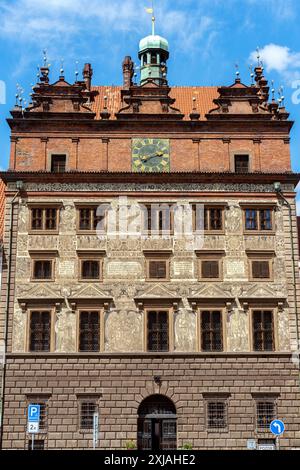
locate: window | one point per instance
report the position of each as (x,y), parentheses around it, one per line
(213,219)
(258,219)
(211,330)
(216,414)
(88,407)
(153,58)
(265,219)
(42,401)
(89,331)
(42,269)
(40,331)
(44,218)
(260,269)
(58,163)
(38,444)
(210,269)
(241,163)
(263,330)
(89,220)
(90,269)
(157,269)
(158,330)
(265,413)
(266,444)
(159,218)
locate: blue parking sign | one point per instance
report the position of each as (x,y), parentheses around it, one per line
(34,413)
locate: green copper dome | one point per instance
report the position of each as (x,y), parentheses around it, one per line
(153,42)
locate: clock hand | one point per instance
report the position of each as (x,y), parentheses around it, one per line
(146,158)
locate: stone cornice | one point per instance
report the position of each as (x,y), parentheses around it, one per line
(216,181)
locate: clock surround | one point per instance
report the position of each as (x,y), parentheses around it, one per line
(150,155)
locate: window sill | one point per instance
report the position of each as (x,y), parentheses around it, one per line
(259,232)
(43,232)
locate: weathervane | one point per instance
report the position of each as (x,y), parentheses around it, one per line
(251,74)
(258,57)
(61,67)
(281,96)
(45,57)
(151,11)
(237,73)
(273,91)
(76,72)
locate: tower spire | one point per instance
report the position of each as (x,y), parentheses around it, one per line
(151,11)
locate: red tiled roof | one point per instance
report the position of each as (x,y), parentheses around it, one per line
(182,94)
(2,206)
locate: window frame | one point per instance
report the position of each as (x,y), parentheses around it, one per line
(216,399)
(40,399)
(170,318)
(40,308)
(146,230)
(258,256)
(274,329)
(264,399)
(223,326)
(38,440)
(210,256)
(88,308)
(89,398)
(44,208)
(157,256)
(258,230)
(91,207)
(210,230)
(239,155)
(90,257)
(54,154)
(157,279)
(38,258)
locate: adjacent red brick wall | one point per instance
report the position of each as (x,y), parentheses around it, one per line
(2,207)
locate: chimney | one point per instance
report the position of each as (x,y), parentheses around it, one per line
(87,74)
(128,70)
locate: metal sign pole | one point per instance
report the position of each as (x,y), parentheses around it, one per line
(95,429)
(32,442)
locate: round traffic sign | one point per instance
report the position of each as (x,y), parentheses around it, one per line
(277,427)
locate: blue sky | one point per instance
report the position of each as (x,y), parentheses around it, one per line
(207,38)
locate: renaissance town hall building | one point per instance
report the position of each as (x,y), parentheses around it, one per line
(171,341)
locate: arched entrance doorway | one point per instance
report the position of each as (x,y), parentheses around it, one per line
(157,424)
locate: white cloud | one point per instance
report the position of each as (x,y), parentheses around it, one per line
(280,59)
(36,21)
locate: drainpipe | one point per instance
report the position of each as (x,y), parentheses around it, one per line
(278,190)
(19,185)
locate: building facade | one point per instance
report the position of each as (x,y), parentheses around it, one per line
(173,336)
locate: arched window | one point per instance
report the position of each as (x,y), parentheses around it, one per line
(153,58)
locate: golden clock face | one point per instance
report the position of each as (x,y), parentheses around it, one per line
(150,155)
